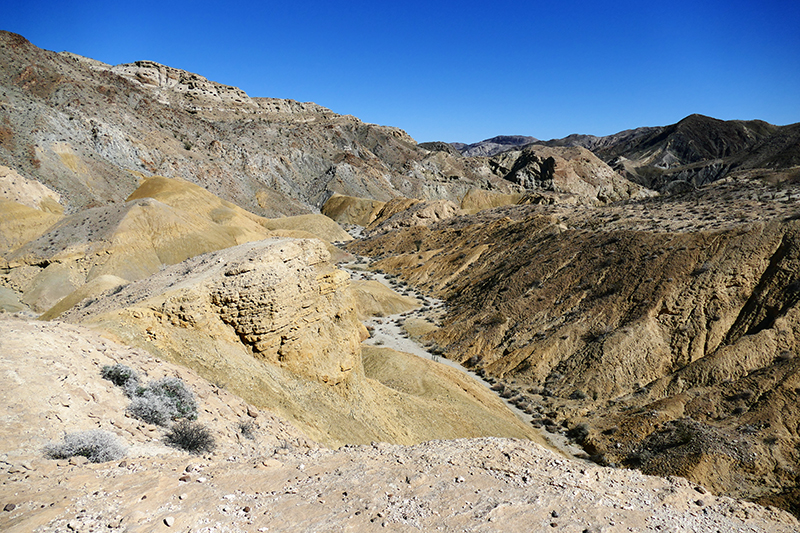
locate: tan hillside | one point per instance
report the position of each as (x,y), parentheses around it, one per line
(31,193)
(350,210)
(164,222)
(275,323)
(20,224)
(477,200)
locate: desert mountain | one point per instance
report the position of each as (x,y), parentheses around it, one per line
(495,145)
(692,152)
(695,151)
(88,130)
(658,332)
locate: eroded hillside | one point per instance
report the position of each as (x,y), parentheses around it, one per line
(90,130)
(266,475)
(659,333)
(662,333)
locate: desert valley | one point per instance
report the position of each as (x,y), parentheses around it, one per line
(224,313)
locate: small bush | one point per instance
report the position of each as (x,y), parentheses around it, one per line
(247,429)
(96,445)
(119,374)
(163,401)
(579,432)
(191,437)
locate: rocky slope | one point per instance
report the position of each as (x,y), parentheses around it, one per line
(694,151)
(163,222)
(88,130)
(664,333)
(266,476)
(660,332)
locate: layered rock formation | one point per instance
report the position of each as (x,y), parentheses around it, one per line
(87,130)
(275,323)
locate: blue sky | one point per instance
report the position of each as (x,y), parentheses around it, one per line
(460,71)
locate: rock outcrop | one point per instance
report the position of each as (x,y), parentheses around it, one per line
(276,323)
(281,298)
(573,170)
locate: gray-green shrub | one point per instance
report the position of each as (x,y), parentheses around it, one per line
(120,375)
(162,401)
(96,445)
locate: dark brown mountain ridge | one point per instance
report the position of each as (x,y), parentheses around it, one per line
(694,151)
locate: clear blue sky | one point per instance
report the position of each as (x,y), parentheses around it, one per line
(460,71)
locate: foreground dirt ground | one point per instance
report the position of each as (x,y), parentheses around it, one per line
(277,480)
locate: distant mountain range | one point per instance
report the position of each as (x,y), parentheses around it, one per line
(495,145)
(696,150)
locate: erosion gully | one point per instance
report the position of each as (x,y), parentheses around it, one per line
(387,331)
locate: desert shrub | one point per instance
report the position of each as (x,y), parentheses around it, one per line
(119,374)
(579,432)
(191,437)
(96,445)
(247,429)
(162,401)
